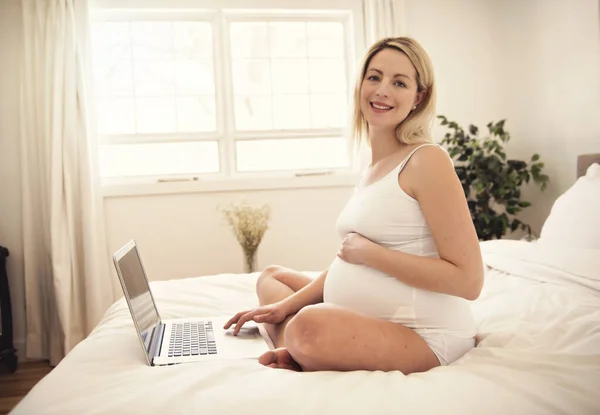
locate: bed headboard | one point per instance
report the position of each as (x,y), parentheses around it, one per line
(586,160)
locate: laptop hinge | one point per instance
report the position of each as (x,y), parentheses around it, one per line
(157,338)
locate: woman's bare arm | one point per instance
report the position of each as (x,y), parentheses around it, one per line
(310,294)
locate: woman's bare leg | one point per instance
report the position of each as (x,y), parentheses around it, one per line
(328,337)
(275,284)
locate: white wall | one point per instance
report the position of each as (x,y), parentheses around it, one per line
(534,62)
(10,166)
(458,37)
(184,235)
(547,60)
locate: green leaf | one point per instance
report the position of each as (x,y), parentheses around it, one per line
(512,210)
(524,204)
(515,225)
(535,157)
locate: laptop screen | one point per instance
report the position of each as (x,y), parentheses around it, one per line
(137,291)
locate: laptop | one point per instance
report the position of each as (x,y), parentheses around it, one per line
(168,342)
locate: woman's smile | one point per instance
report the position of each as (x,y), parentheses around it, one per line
(380,107)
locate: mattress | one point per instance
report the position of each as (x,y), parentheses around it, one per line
(538,352)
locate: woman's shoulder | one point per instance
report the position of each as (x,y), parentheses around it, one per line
(430,155)
(430,167)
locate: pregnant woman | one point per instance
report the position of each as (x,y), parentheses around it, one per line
(396,297)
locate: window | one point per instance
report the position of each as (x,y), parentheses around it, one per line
(222,93)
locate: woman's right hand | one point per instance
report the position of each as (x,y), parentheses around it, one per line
(271,313)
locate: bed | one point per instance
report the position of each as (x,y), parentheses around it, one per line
(538,344)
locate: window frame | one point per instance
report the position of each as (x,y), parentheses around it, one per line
(220,15)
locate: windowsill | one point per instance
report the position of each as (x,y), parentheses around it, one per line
(229,185)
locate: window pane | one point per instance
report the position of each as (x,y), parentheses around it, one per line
(192,40)
(325,39)
(194,77)
(161,67)
(253,112)
(112,69)
(154,78)
(156,115)
(159,159)
(249,40)
(251,76)
(327,75)
(328,110)
(116,116)
(287,39)
(152,40)
(111,42)
(114,79)
(291,112)
(298,64)
(289,76)
(292,154)
(196,114)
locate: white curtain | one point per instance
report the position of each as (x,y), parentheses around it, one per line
(68,286)
(383,18)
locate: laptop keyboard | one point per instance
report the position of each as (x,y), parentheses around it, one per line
(192,339)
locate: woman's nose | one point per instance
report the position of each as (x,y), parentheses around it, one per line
(382,90)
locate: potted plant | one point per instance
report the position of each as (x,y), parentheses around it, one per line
(492,183)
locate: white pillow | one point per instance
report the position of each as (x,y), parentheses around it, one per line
(574,220)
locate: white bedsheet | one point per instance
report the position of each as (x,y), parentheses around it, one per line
(538,353)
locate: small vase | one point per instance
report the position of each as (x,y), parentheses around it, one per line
(250,257)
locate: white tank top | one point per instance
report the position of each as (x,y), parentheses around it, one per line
(385,214)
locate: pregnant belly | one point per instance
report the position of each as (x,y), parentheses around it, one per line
(370,292)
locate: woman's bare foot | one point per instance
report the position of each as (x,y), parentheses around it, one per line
(279,358)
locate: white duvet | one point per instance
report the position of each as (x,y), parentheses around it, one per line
(538,353)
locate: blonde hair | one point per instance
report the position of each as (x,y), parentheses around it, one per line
(415,128)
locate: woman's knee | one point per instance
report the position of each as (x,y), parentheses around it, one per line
(268,273)
(304,335)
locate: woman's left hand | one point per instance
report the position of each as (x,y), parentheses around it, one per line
(353,249)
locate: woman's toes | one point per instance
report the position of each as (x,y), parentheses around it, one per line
(268,358)
(279,358)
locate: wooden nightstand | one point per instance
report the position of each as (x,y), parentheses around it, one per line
(8,355)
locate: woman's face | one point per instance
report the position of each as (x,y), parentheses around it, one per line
(389,90)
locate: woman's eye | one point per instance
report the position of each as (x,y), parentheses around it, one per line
(373,78)
(400,84)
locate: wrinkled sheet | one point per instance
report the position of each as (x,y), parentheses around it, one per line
(538,352)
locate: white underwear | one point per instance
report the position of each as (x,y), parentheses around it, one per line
(447,347)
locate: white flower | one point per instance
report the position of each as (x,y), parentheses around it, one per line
(248,223)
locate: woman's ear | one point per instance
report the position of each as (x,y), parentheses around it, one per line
(420,97)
